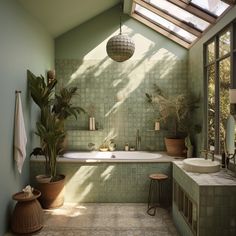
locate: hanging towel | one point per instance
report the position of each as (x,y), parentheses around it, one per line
(20,138)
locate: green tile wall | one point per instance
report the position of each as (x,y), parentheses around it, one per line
(108,182)
(186,183)
(217,215)
(117,91)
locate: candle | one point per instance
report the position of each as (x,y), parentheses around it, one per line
(157,125)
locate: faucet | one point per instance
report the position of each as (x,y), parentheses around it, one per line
(230,157)
(206,153)
(138,140)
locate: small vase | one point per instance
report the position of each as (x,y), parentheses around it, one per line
(91,123)
(157,125)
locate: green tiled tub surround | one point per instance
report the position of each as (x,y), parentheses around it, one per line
(115,95)
(107,181)
(215,197)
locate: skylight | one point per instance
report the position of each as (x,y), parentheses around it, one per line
(165,23)
(179,13)
(183,21)
(215,7)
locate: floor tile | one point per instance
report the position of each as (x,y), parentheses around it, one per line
(106,219)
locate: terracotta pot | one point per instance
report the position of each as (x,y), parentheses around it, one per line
(175,147)
(52,193)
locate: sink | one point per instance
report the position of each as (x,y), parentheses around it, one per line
(201,165)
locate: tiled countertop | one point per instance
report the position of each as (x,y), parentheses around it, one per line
(220,178)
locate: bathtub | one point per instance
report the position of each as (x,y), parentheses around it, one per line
(113,156)
(108,176)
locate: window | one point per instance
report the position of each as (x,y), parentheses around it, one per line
(183,21)
(215,7)
(158,20)
(220,76)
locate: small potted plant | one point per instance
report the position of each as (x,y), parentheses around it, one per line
(55,109)
(174,113)
(104,147)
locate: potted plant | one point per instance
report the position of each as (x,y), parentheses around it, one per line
(174,113)
(107,145)
(55,109)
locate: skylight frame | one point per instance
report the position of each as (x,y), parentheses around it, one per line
(187,26)
(197,3)
(184,16)
(160,21)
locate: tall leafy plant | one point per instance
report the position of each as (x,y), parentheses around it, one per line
(55,109)
(174,111)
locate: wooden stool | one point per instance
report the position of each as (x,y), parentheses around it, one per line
(27,216)
(155,189)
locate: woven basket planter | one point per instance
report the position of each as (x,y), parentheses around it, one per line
(27,216)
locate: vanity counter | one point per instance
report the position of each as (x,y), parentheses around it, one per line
(223,177)
(210,198)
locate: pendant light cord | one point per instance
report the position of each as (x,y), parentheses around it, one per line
(120,25)
(121,6)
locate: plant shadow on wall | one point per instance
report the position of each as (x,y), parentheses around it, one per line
(116,91)
(55,109)
(174,114)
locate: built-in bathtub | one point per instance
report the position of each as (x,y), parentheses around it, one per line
(99,177)
(113,156)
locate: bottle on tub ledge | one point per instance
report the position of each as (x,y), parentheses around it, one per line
(157,126)
(92,123)
(126,147)
(91,113)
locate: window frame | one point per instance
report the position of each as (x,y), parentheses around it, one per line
(189,26)
(231,27)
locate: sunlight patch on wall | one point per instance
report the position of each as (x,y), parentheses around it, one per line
(145,50)
(137,74)
(82,176)
(86,191)
(164,54)
(105,175)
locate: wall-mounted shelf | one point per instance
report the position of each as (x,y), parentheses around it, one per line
(84,130)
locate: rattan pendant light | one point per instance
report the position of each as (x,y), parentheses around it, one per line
(120,47)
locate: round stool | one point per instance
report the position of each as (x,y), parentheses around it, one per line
(155,192)
(27,216)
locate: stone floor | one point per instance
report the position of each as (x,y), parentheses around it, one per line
(106,219)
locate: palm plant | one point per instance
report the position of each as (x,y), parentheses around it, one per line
(55,109)
(51,137)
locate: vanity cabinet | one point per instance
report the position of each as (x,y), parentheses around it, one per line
(203,204)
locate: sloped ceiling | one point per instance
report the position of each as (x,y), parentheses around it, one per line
(59,16)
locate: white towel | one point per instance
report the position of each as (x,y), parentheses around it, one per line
(20,138)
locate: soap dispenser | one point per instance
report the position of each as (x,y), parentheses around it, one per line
(126,147)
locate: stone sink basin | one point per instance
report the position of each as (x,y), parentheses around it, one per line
(200,165)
